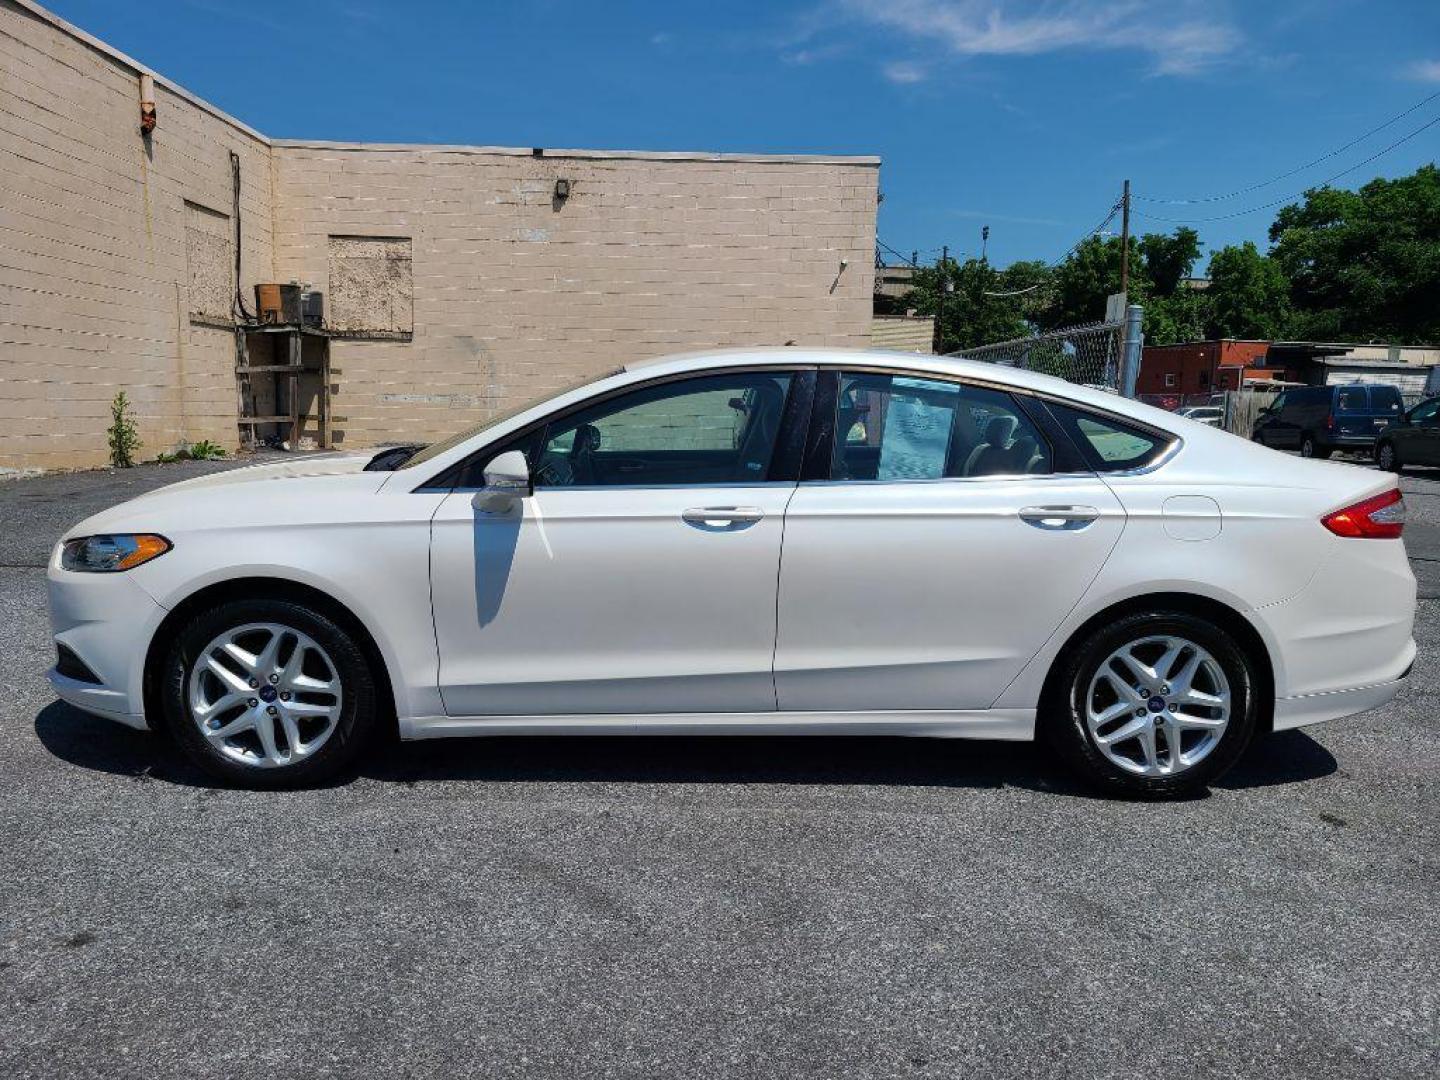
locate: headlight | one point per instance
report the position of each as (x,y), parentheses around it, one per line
(108,554)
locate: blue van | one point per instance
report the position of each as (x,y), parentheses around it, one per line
(1318,420)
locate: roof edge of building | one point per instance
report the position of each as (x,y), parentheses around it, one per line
(547,152)
(124,60)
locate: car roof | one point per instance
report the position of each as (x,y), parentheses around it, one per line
(955,366)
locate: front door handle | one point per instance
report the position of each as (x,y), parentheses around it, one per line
(1059,518)
(722,516)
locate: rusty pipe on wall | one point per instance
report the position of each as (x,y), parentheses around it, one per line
(147,102)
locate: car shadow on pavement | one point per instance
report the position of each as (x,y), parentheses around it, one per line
(103,746)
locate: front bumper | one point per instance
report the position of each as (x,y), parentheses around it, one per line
(108,621)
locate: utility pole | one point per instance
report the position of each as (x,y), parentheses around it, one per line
(984,240)
(1125,240)
(940,306)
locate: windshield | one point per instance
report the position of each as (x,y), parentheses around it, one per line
(435,449)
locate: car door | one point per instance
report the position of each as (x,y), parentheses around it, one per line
(1293,414)
(1417,442)
(640,576)
(1268,426)
(939,537)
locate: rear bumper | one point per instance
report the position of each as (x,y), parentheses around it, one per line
(1344,644)
(1304,709)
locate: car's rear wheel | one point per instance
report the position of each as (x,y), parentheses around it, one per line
(1311,449)
(269,693)
(1156,705)
(1386,458)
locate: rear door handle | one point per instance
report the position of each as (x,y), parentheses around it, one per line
(1059,518)
(719,516)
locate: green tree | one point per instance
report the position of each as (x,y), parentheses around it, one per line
(975,303)
(1169,258)
(1088,275)
(1158,262)
(1182,316)
(1364,265)
(1249,295)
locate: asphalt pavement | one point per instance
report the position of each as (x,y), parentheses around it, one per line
(706,908)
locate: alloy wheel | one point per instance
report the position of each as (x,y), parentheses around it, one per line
(1158,706)
(265,695)
(1387,457)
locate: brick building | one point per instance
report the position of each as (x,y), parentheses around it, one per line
(1200,367)
(463,279)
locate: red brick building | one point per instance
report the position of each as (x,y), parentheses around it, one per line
(1201,367)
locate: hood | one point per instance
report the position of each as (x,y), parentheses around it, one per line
(318,465)
(304,490)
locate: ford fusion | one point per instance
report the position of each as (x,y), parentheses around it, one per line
(784,541)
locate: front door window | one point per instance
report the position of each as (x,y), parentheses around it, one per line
(718,429)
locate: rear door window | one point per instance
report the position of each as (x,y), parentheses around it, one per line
(895,428)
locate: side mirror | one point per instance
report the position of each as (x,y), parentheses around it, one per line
(507,478)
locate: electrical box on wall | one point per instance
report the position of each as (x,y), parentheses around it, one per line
(290,305)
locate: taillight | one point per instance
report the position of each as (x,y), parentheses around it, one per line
(1380,517)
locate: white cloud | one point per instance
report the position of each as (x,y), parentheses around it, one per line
(904,72)
(1424,71)
(1177,43)
(661,38)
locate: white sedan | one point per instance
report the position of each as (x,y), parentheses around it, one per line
(1211,415)
(790,541)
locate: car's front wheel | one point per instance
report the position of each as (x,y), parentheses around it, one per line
(1386,457)
(1157,704)
(1312,449)
(269,693)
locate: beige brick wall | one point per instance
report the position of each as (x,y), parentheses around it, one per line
(93,253)
(514,293)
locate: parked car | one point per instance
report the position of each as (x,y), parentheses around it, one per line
(1203,414)
(787,541)
(1318,420)
(1411,439)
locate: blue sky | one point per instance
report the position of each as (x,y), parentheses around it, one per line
(1024,116)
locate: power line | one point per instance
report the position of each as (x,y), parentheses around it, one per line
(1286,175)
(1073,248)
(906,259)
(1093,232)
(1297,194)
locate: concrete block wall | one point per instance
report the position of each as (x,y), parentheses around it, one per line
(517,293)
(93,262)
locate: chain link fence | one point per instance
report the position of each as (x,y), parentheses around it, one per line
(1090,355)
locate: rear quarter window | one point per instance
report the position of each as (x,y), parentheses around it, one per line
(1386,399)
(1110,444)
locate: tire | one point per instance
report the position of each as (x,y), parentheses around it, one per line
(1080,694)
(320,709)
(1387,458)
(1309,448)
